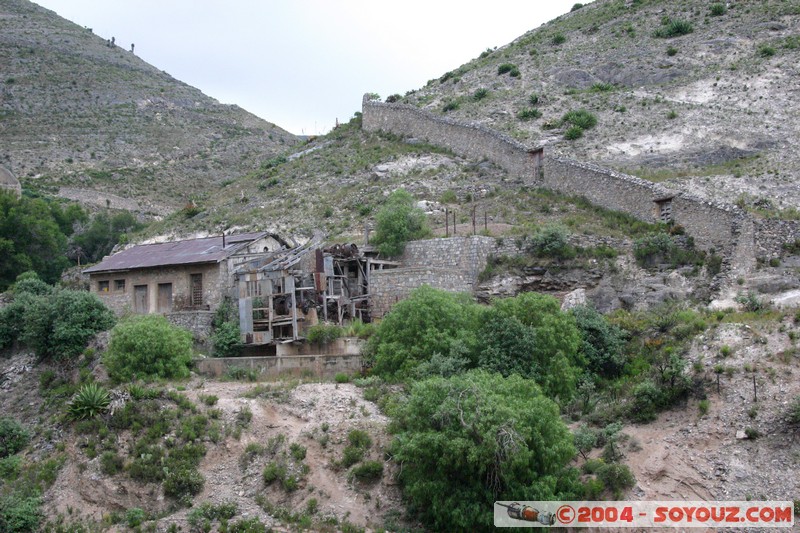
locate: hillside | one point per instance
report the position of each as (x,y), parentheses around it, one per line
(92,122)
(710,109)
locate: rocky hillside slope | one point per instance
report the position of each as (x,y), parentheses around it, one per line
(91,121)
(698,93)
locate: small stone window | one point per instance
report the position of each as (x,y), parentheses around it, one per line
(102,286)
(664,210)
(119,285)
(196,288)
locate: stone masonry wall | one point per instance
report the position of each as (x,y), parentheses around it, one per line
(387,287)
(467,140)
(712,224)
(198,322)
(451,264)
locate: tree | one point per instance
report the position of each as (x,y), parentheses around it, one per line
(398,222)
(61,325)
(104,232)
(556,341)
(148,346)
(30,239)
(428,322)
(466,441)
(601,343)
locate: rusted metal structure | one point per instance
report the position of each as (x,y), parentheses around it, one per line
(281,295)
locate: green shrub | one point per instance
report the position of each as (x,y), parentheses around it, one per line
(452,105)
(652,248)
(398,222)
(90,401)
(134,517)
(703,407)
(297,451)
(717,10)
(794,411)
(616,476)
(766,50)
(238,373)
(529,113)
(448,197)
(752,433)
(58,326)
(644,402)
(247,525)
(671,51)
(750,301)
(111,463)
(13,437)
(674,28)
(210,400)
(20,514)
(428,322)
(581,118)
(226,340)
(558,39)
(450,433)
(480,94)
(602,343)
(147,347)
(573,133)
(323,333)
(368,471)
(341,377)
(273,471)
(183,481)
(551,241)
(505,68)
(359,438)
(601,88)
(351,455)
(576,7)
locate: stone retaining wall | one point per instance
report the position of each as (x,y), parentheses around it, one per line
(324,366)
(712,224)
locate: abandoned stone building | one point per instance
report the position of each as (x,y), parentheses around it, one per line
(8,182)
(188,275)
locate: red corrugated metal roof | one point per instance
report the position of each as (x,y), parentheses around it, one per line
(194,251)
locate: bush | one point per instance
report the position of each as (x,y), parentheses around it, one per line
(529,113)
(644,402)
(653,248)
(13,437)
(674,28)
(576,7)
(573,133)
(183,481)
(134,517)
(323,333)
(766,50)
(226,340)
(297,451)
(429,321)
(794,411)
(452,105)
(551,241)
(148,347)
(601,343)
(480,94)
(717,10)
(398,222)
(341,377)
(58,325)
(351,455)
(671,51)
(20,514)
(368,471)
(359,438)
(616,476)
(111,463)
(581,118)
(476,438)
(506,68)
(558,39)
(90,401)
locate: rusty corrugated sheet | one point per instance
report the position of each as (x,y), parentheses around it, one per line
(194,251)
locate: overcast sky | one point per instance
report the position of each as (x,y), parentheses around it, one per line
(302,64)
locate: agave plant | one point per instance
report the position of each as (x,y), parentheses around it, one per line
(90,401)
